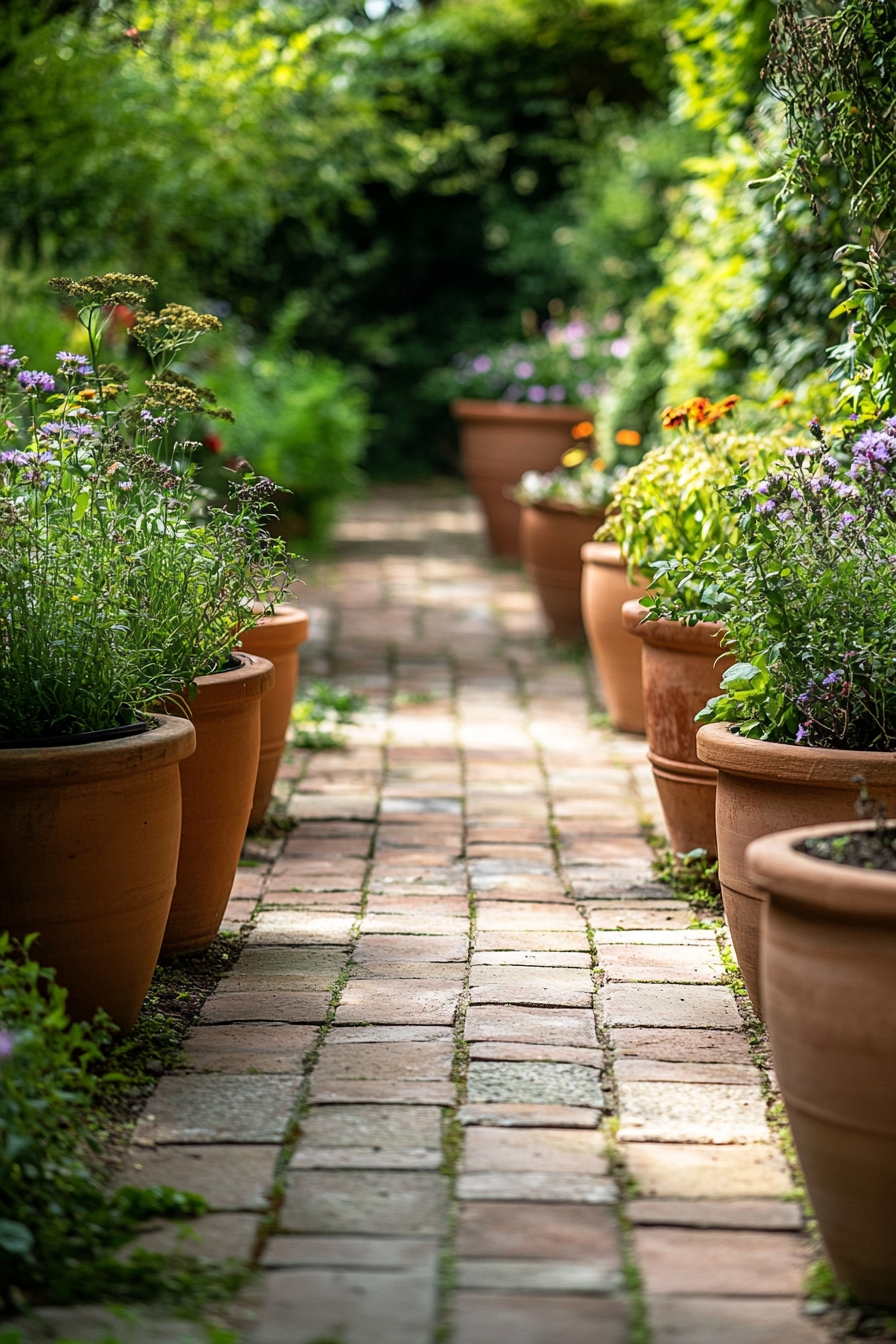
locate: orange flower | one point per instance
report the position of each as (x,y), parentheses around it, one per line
(673,417)
(785,399)
(628,438)
(697,409)
(583,430)
(721,408)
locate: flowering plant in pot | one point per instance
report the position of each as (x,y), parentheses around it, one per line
(516,405)
(805,594)
(672,507)
(559,511)
(118,589)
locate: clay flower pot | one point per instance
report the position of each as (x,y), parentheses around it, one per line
(828,952)
(551,539)
(499,440)
(681,668)
(88,857)
(218,783)
(276,638)
(764,787)
(616,653)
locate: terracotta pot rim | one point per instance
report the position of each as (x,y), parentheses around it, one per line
(286,629)
(605,553)
(472,408)
(561,506)
(668,765)
(663,634)
(170,739)
(249,681)
(822,767)
(776,866)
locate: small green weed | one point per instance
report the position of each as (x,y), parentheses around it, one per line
(693,877)
(317,719)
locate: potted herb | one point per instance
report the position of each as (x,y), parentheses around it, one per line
(559,511)
(515,406)
(117,591)
(670,506)
(828,950)
(806,598)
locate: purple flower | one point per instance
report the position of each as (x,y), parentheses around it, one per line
(7,1044)
(70,428)
(586,390)
(845,489)
(769,506)
(801,732)
(620,347)
(803,700)
(536,392)
(13,458)
(524,369)
(575,331)
(73,365)
(785,515)
(8,360)
(762,488)
(481,364)
(34,381)
(556,392)
(832,679)
(846,519)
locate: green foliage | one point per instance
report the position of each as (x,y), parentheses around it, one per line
(415,179)
(693,876)
(116,587)
(300,420)
(672,506)
(806,597)
(317,718)
(58,1226)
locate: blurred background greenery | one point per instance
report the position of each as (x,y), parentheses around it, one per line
(364,191)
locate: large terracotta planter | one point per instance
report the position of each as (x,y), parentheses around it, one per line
(276,638)
(551,541)
(616,652)
(499,440)
(828,952)
(681,668)
(764,787)
(88,856)
(218,783)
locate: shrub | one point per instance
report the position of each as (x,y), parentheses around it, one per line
(58,1226)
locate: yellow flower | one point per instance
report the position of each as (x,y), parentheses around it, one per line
(573,456)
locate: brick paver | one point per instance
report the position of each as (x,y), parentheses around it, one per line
(413,1057)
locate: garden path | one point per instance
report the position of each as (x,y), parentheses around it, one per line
(410,1052)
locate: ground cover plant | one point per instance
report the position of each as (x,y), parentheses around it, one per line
(805,594)
(61,1231)
(118,586)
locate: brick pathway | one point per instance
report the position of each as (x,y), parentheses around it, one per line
(466,1022)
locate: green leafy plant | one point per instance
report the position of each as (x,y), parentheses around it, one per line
(805,593)
(673,505)
(118,585)
(319,716)
(59,1228)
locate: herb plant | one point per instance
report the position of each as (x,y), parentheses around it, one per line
(118,586)
(805,591)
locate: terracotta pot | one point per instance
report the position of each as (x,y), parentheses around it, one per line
(764,787)
(616,653)
(828,952)
(681,668)
(551,541)
(88,857)
(217,783)
(276,638)
(499,440)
